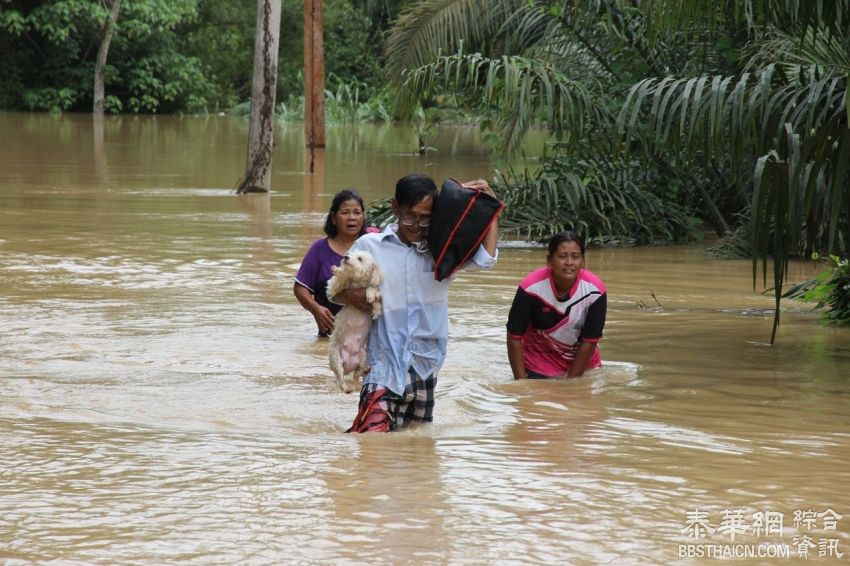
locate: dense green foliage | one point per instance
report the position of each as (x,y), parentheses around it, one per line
(167,55)
(570,66)
(50,47)
(608,202)
(830,291)
(663,113)
(739,108)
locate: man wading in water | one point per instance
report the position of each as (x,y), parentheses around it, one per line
(407,345)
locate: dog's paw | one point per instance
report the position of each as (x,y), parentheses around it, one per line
(373,296)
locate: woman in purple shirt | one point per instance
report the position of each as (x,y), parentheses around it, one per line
(344,224)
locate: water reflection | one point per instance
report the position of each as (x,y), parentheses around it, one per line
(260,227)
(99,147)
(314,180)
(388,499)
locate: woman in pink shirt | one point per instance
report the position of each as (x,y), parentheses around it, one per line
(557,316)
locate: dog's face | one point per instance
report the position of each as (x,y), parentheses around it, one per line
(356,267)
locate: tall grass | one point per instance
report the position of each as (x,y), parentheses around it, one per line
(345,102)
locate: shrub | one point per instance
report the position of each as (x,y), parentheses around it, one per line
(830,290)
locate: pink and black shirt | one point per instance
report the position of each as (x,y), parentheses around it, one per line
(552,327)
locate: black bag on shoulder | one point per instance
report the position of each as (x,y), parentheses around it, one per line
(459,221)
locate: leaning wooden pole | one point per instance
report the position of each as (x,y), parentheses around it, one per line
(314,74)
(258,170)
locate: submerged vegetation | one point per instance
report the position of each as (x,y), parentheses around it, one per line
(830,291)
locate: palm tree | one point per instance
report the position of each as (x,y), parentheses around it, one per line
(520,64)
(759,134)
(781,123)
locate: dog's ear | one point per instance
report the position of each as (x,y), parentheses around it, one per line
(377,277)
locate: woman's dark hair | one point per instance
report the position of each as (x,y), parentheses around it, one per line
(561,237)
(414,188)
(339,198)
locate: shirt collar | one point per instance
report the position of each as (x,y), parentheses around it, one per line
(391,231)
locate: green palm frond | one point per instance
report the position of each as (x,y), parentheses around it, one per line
(797,131)
(434,26)
(380,212)
(603,199)
(819,48)
(828,51)
(664,16)
(655,101)
(734,116)
(524,91)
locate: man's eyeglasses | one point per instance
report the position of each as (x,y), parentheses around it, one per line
(410,221)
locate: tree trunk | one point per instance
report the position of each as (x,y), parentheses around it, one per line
(314,74)
(257,178)
(102,52)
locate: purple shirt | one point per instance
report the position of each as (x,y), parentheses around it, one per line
(315,271)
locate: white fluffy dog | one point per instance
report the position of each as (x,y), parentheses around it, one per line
(350,335)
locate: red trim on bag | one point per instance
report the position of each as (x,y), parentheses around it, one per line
(474,248)
(454,230)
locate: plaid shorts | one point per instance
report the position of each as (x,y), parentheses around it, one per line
(381,410)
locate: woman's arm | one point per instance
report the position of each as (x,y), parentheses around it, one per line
(491,238)
(518,322)
(324,317)
(590,335)
(585,351)
(515,357)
